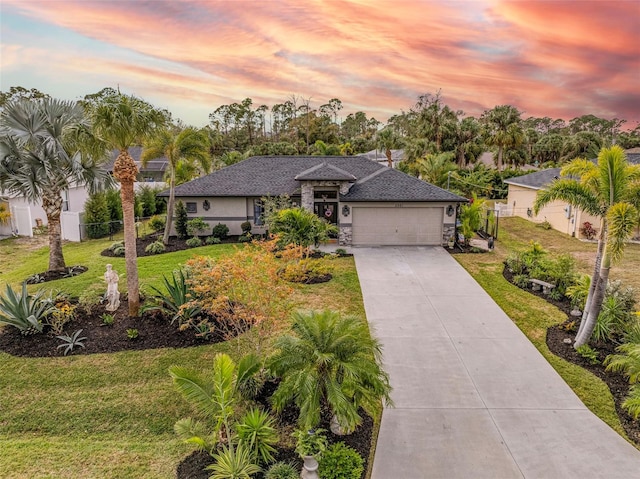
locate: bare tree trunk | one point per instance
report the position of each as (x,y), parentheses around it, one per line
(389,158)
(170,207)
(596,304)
(499,165)
(595,279)
(125,171)
(52,206)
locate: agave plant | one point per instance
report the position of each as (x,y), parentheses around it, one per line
(177,294)
(24,311)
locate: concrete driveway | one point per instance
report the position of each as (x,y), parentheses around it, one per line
(473,397)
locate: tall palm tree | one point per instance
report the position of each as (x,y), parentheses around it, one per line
(332,361)
(45,148)
(387,140)
(190,146)
(608,190)
(123,121)
(435,169)
(502,128)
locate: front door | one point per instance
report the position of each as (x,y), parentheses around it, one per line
(327,210)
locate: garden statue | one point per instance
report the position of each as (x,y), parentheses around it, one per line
(113,295)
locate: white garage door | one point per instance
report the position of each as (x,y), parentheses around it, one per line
(397,226)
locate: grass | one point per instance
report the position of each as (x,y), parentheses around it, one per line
(112,415)
(534,315)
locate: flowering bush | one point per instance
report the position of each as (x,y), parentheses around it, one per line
(588,231)
(62,314)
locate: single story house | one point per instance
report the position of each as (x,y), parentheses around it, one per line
(562,216)
(370,203)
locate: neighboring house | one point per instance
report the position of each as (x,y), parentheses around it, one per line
(562,216)
(370,203)
(381,157)
(25,215)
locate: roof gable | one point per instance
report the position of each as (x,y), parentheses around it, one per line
(326,172)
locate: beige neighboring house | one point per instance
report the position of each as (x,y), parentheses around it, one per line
(562,216)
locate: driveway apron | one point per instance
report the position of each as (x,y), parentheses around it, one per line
(473,397)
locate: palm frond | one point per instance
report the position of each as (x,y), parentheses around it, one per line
(571,191)
(621,219)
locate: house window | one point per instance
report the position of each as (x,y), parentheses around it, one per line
(325,195)
(192,207)
(65,200)
(258,211)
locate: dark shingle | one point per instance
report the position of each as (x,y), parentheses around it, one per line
(276,175)
(536,180)
(323,171)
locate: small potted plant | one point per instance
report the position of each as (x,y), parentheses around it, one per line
(451,242)
(310,445)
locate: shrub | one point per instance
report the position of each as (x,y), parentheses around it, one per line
(175,300)
(233,463)
(114,204)
(157,223)
(521,280)
(23,310)
(305,271)
(340,461)
(341,251)
(220,231)
(196,227)
(119,251)
(91,297)
(578,291)
(116,245)
(311,442)
(604,328)
(545,225)
(212,240)
(245,238)
(156,247)
(282,470)
(257,432)
(71,342)
(588,353)
(300,227)
(194,242)
(350,375)
(181,220)
(588,231)
(96,215)
(147,196)
(515,263)
(246,227)
(61,314)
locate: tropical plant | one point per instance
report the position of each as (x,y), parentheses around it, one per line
(627,362)
(45,148)
(301,227)
(386,140)
(23,310)
(257,432)
(176,297)
(282,470)
(588,353)
(331,361)
(123,121)
(132,333)
(340,461)
(578,291)
(216,396)
(609,190)
(502,128)
(233,463)
(181,220)
(71,342)
(436,168)
(190,146)
(61,314)
(471,218)
(312,442)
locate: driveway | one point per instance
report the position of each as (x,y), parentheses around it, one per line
(473,397)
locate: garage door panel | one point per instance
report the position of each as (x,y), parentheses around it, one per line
(397,226)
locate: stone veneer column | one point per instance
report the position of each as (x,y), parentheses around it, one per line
(345,235)
(306,196)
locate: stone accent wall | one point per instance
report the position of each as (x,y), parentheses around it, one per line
(448,230)
(345,235)
(306,196)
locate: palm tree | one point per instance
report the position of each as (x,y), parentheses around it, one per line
(46,147)
(609,191)
(388,140)
(331,361)
(123,121)
(190,146)
(435,169)
(502,129)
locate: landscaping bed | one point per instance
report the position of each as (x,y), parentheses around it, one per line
(175,244)
(154,331)
(555,340)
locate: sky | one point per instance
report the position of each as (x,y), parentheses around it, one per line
(559,58)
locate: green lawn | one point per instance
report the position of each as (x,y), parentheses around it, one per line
(534,315)
(112,415)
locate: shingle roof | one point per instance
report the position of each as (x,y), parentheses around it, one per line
(276,175)
(537,180)
(157,164)
(323,171)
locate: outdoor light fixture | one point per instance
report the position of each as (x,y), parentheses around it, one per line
(346,210)
(450,210)
(206,205)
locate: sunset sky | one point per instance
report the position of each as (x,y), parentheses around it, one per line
(548,58)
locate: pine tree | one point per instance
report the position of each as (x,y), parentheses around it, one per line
(96,215)
(181,220)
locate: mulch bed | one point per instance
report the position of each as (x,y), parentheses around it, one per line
(53,275)
(192,467)
(175,244)
(154,328)
(460,248)
(617,383)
